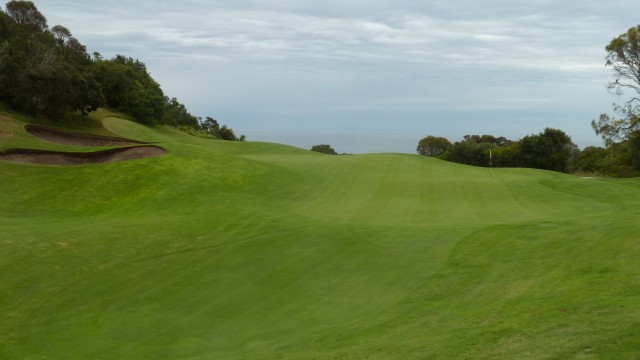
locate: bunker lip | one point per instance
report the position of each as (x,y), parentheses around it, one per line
(46,157)
(75,138)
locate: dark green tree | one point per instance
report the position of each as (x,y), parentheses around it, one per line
(324,148)
(176,114)
(469,152)
(226,133)
(43,72)
(634,149)
(551,149)
(433,146)
(6,27)
(210,125)
(507,154)
(474,150)
(591,159)
(128,87)
(25,14)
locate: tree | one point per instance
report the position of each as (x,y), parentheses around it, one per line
(623,56)
(128,87)
(324,148)
(475,150)
(469,152)
(591,159)
(26,14)
(433,146)
(551,149)
(226,133)
(634,149)
(210,125)
(176,114)
(6,28)
(42,72)
(506,155)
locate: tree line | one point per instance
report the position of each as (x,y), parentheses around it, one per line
(551,149)
(47,72)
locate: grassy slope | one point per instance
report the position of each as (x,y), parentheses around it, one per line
(255,250)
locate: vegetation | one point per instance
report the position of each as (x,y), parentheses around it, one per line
(48,72)
(245,250)
(128,87)
(433,146)
(623,56)
(621,133)
(43,72)
(324,148)
(551,149)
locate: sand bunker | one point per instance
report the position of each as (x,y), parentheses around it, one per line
(44,157)
(76,139)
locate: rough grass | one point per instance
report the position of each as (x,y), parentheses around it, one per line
(253,250)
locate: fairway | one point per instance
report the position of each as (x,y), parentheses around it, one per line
(250,250)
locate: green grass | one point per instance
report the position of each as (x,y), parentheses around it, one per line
(234,250)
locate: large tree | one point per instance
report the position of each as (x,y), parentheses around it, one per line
(623,57)
(433,145)
(551,149)
(128,87)
(43,72)
(25,14)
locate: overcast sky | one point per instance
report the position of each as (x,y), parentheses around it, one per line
(368,76)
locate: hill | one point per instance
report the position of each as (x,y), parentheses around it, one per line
(244,250)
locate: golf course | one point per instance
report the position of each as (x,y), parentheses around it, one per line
(211,249)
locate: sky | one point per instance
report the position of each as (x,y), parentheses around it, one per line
(368,76)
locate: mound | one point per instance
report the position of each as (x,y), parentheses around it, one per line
(74,138)
(44,157)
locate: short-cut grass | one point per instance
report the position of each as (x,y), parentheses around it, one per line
(249,250)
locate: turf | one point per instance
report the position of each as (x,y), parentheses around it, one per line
(245,250)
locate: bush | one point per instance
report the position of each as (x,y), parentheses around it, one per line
(324,148)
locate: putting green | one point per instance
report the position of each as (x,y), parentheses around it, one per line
(234,250)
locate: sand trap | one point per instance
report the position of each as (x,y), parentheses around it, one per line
(76,139)
(44,157)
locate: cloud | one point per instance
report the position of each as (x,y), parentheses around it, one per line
(195,28)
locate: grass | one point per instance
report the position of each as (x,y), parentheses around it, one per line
(245,250)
